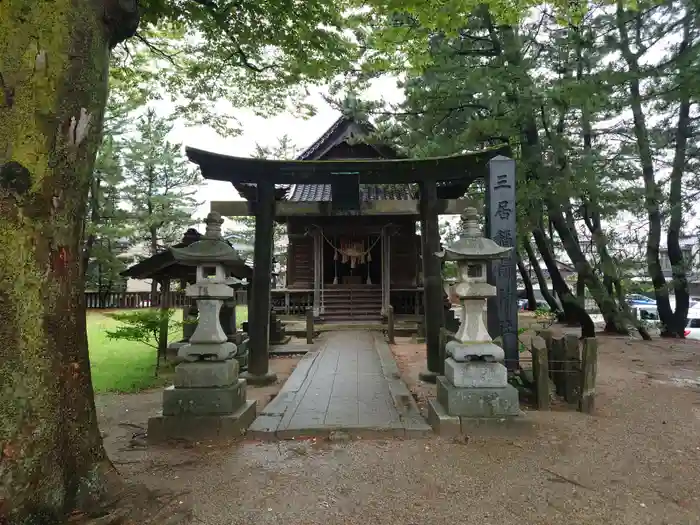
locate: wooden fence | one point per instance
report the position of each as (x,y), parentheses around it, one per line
(284,301)
(567,363)
(133,300)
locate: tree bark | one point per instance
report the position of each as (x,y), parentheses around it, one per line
(580,290)
(574,312)
(676,328)
(544,289)
(529,290)
(54,66)
(652,191)
(607,304)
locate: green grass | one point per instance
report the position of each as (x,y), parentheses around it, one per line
(123,366)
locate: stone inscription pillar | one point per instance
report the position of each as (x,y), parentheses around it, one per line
(502,313)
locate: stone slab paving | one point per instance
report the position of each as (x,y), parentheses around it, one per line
(349,384)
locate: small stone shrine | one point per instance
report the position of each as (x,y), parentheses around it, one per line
(475,385)
(208,399)
(278,332)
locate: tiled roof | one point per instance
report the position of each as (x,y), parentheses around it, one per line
(309,152)
(368,192)
(333,136)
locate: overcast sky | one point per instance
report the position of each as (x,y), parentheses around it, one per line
(266,132)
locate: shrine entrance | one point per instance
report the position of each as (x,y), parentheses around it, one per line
(339,188)
(352,260)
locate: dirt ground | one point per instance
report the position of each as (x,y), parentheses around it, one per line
(635,461)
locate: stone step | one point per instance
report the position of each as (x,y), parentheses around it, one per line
(349,318)
(374,312)
(348,304)
(352,293)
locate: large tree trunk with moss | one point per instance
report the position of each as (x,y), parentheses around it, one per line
(54,62)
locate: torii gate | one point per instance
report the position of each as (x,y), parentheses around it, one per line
(491,165)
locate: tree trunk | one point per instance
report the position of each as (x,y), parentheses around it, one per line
(652,191)
(573,311)
(53,86)
(581,290)
(529,290)
(544,289)
(611,279)
(676,328)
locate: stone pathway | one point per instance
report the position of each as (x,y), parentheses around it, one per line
(350,384)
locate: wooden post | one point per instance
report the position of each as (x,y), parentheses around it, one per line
(309,326)
(589,365)
(386,271)
(540,372)
(432,280)
(502,312)
(556,362)
(546,335)
(259,322)
(390,325)
(572,370)
(164,324)
(317,254)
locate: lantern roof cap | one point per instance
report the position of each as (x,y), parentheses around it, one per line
(210,248)
(471,244)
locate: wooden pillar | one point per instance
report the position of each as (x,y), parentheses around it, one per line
(164,320)
(432,280)
(502,313)
(309,326)
(318,252)
(259,314)
(386,271)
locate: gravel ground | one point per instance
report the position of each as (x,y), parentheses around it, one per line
(636,461)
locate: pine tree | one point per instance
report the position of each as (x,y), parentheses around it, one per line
(107,229)
(159,185)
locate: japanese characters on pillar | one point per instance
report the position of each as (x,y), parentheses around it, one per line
(500,227)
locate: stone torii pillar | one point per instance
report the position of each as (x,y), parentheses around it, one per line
(259,301)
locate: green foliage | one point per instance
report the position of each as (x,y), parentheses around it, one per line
(261,55)
(245,226)
(118,365)
(545,317)
(522,347)
(159,184)
(285,149)
(143,326)
(107,228)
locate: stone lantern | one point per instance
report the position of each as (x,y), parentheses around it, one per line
(211,288)
(208,398)
(475,384)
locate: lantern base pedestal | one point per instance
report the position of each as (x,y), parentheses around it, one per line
(500,402)
(476,374)
(200,401)
(199,428)
(474,351)
(198,351)
(446,425)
